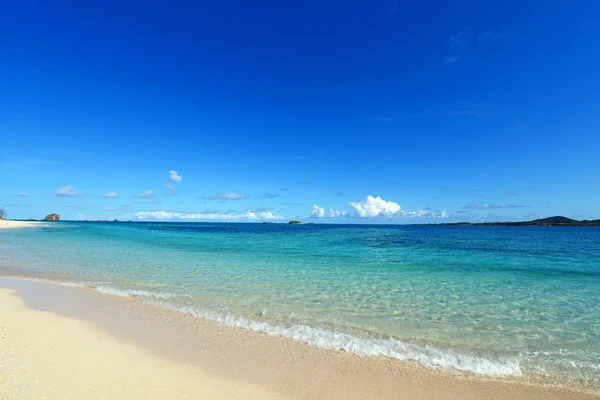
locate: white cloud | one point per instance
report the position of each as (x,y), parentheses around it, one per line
(270,215)
(174,176)
(146,195)
(67,191)
(228,196)
(191,216)
(425,213)
(111,195)
(336,213)
(485,206)
(375,207)
(22,194)
(317,212)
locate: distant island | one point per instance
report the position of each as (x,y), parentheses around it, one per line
(294,222)
(551,221)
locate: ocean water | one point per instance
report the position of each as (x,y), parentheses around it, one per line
(518,303)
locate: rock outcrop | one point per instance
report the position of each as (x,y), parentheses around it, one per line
(52,217)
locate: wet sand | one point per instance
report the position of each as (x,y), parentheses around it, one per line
(70,342)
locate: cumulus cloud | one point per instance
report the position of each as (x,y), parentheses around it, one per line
(336,213)
(148,194)
(174,178)
(485,206)
(425,213)
(375,207)
(320,212)
(22,194)
(111,195)
(67,191)
(211,216)
(317,212)
(228,196)
(268,215)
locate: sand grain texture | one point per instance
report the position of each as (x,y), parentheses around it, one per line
(46,356)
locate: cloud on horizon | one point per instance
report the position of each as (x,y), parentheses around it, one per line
(320,212)
(111,195)
(212,216)
(485,206)
(374,207)
(22,194)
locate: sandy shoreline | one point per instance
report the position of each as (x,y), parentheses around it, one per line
(146,351)
(6,224)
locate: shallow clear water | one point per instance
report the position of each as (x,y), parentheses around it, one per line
(518,302)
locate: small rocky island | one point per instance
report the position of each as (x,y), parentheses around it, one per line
(52,217)
(294,222)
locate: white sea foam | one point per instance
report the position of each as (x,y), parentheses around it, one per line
(136,293)
(426,355)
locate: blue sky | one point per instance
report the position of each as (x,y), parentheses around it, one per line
(354,111)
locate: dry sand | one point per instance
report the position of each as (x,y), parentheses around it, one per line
(73,343)
(47,356)
(5,224)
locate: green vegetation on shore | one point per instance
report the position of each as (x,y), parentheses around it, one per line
(551,221)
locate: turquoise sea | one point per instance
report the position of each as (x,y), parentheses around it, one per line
(508,302)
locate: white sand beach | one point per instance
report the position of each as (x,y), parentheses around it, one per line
(6,224)
(60,342)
